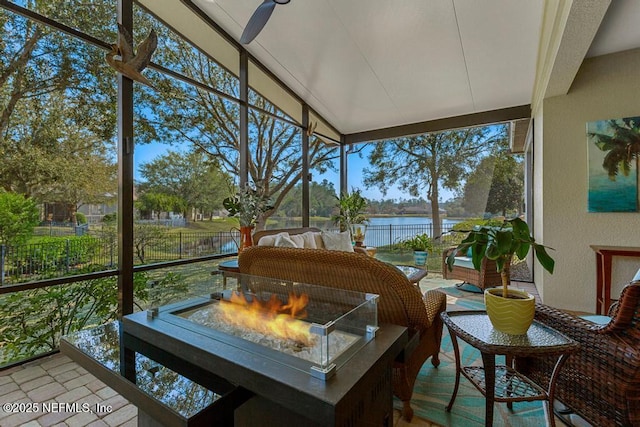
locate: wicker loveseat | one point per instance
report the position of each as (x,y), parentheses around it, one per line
(487,277)
(601,382)
(400,302)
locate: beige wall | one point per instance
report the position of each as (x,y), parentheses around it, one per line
(606,87)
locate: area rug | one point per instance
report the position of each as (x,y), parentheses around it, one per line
(434,386)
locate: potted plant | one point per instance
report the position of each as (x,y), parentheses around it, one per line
(501,244)
(247,205)
(421,245)
(351,215)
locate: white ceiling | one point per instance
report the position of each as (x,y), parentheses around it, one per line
(371,64)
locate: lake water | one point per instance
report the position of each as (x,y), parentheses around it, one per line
(383,231)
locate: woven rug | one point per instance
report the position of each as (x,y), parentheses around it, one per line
(434,386)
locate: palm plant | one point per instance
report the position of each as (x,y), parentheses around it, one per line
(351,210)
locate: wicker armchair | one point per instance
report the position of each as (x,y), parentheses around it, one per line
(487,277)
(601,382)
(400,302)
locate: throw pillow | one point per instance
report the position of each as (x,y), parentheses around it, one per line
(309,240)
(284,241)
(297,239)
(271,239)
(317,237)
(337,241)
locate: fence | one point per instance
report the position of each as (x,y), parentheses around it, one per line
(77,254)
(385,235)
(74,255)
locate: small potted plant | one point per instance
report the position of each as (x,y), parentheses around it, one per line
(247,205)
(351,215)
(501,244)
(421,245)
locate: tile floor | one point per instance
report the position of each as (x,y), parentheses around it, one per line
(55,391)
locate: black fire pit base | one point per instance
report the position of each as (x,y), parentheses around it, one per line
(360,393)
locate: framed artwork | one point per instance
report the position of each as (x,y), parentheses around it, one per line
(614,154)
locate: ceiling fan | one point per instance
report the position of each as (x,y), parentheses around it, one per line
(259,19)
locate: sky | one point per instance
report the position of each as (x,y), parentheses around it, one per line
(144,153)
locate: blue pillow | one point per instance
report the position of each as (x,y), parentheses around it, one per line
(469,252)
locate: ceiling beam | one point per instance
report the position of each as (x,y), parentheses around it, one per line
(467,120)
(568,29)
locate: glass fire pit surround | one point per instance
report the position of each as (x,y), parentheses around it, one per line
(308,327)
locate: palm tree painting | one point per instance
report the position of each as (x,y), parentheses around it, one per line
(614,160)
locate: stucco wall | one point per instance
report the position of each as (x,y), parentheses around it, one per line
(606,87)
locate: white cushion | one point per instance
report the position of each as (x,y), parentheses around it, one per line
(283,240)
(317,237)
(270,240)
(297,239)
(338,241)
(309,240)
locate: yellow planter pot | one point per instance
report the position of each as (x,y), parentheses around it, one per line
(510,315)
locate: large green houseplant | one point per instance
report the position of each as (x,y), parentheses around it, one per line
(501,244)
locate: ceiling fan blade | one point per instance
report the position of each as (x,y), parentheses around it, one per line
(257,21)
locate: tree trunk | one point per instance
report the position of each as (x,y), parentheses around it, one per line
(436,224)
(505,275)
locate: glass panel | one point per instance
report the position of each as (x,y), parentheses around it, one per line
(95,18)
(325,183)
(304,326)
(426,184)
(177,54)
(184,163)
(39,317)
(275,165)
(58,131)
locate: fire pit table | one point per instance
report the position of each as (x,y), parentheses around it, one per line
(337,372)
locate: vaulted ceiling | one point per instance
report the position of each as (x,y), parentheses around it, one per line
(372,64)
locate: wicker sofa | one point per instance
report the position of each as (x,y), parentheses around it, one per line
(400,302)
(487,277)
(601,382)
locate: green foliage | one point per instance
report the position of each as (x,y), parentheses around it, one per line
(18,218)
(52,255)
(501,243)
(34,320)
(248,204)
(352,208)
(81,218)
(423,164)
(180,181)
(419,242)
(496,185)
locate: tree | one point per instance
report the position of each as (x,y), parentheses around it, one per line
(423,164)
(51,148)
(495,186)
(189,115)
(18,218)
(151,202)
(193,177)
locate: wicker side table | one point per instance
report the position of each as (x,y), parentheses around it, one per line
(503,383)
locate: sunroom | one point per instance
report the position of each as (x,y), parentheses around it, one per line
(299,109)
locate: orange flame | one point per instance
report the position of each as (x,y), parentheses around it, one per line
(270,317)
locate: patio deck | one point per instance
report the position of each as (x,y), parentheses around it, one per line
(58,379)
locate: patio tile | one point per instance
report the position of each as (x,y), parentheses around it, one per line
(28,374)
(46,392)
(35,383)
(81,419)
(122,415)
(57,370)
(66,376)
(80,381)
